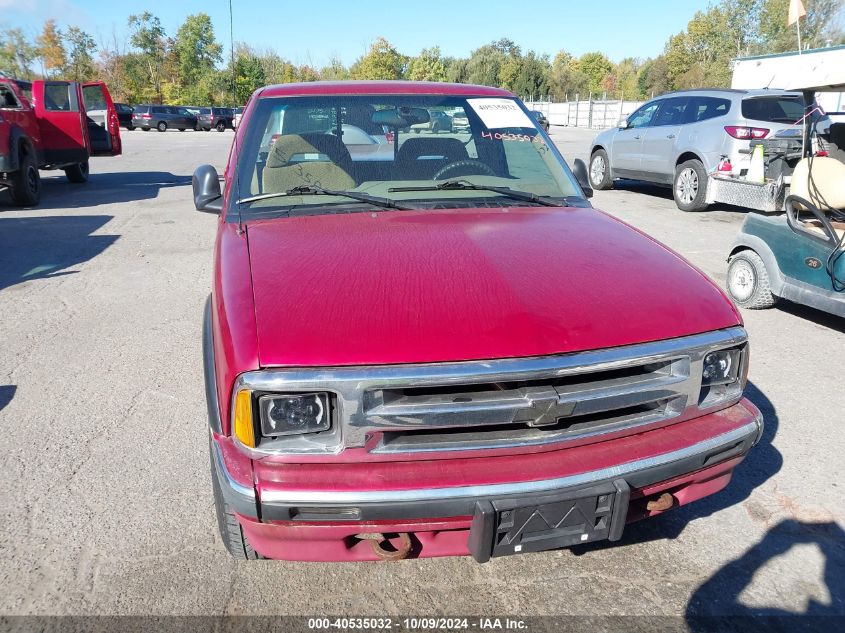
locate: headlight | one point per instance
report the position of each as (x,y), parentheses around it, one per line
(720,368)
(723,374)
(294,414)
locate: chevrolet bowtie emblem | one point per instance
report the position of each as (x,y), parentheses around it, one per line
(546,408)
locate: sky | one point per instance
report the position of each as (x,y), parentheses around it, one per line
(312,32)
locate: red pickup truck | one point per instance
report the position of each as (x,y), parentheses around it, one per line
(432,344)
(52,125)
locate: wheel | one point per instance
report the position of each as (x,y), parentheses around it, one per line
(25,188)
(162,126)
(197,127)
(130,127)
(748,281)
(77,173)
(220,127)
(690,186)
(600,177)
(182,129)
(146,129)
(231,531)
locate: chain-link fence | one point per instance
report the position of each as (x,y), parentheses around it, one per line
(596,114)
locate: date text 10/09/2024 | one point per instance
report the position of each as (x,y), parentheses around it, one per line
(417,624)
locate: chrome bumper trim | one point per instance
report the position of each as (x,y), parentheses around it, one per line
(332,497)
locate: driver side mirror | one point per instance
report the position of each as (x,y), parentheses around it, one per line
(623,124)
(579,170)
(207,195)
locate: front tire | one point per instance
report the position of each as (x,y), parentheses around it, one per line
(162,126)
(221,127)
(600,177)
(25,188)
(690,186)
(748,281)
(231,532)
(77,173)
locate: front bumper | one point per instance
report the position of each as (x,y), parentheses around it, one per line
(321,524)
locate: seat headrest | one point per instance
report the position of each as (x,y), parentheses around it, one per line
(821,180)
(450,148)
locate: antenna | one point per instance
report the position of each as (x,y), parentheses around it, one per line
(235,100)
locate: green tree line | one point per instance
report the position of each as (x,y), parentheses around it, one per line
(190,67)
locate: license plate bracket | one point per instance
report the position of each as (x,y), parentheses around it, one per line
(533,523)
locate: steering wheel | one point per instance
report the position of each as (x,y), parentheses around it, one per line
(466,167)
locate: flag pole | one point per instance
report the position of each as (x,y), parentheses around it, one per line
(798,26)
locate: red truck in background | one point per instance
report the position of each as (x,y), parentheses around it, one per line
(444,349)
(52,125)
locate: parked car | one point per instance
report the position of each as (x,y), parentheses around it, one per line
(542,121)
(236,117)
(124,115)
(219,119)
(438,121)
(680,138)
(163,117)
(420,351)
(52,125)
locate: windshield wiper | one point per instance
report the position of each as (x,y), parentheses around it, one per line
(307,190)
(464,185)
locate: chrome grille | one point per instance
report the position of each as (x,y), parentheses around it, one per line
(499,403)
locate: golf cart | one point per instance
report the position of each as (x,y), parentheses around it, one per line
(799,254)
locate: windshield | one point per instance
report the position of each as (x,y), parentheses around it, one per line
(381,144)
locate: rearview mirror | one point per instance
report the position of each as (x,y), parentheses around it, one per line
(623,124)
(207,195)
(579,170)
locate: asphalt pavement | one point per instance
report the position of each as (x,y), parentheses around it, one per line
(104,475)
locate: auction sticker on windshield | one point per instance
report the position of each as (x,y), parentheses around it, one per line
(499,113)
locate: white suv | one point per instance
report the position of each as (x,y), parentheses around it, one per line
(680,137)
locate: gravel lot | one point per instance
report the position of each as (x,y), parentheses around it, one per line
(104,470)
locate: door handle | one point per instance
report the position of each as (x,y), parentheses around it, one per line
(670,136)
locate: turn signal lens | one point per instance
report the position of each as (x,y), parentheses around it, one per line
(243,425)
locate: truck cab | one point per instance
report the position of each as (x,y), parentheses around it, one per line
(49,124)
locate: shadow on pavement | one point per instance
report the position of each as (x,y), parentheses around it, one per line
(7,392)
(716,606)
(42,247)
(762,463)
(102,188)
(825,319)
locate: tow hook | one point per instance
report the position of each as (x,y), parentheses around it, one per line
(376,539)
(663,502)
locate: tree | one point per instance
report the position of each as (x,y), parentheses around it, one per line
(147,35)
(16,54)
(249,73)
(627,74)
(654,78)
(382,61)
(335,71)
(80,51)
(197,53)
(566,81)
(427,66)
(596,66)
(532,77)
(484,65)
(50,49)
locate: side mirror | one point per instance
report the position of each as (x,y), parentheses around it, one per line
(207,195)
(623,124)
(579,169)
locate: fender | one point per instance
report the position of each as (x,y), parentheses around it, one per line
(11,162)
(208,371)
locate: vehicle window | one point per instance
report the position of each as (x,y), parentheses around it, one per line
(93,97)
(182,112)
(59,97)
(373,144)
(7,97)
(703,108)
(158,110)
(643,116)
(773,109)
(26,89)
(671,111)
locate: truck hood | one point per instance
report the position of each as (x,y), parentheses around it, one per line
(426,286)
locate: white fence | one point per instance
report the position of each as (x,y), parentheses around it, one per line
(592,114)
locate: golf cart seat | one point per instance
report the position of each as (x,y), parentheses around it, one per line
(821,181)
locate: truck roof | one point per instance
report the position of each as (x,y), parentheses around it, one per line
(315,88)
